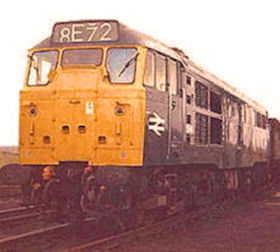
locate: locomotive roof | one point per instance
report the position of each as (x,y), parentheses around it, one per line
(274,122)
(127,36)
(225,86)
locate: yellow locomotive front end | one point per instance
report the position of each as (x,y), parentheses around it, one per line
(83,98)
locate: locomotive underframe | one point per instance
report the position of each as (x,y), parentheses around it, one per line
(121,190)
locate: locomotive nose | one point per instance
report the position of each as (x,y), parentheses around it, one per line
(75,113)
(81,116)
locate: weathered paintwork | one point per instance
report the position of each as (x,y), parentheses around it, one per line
(152,132)
(63,102)
(275,139)
(243,144)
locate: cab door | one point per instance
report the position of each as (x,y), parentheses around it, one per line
(175,136)
(157,99)
(239,149)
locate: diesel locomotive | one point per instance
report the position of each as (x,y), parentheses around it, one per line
(117,121)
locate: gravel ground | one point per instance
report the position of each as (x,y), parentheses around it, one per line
(251,227)
(12,202)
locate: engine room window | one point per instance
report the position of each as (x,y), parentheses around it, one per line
(201,95)
(245,114)
(264,121)
(232,113)
(149,77)
(189,80)
(41,65)
(189,119)
(201,128)
(260,120)
(121,64)
(160,72)
(188,138)
(215,103)
(76,57)
(215,131)
(188,99)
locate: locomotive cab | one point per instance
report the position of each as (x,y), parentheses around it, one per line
(83,101)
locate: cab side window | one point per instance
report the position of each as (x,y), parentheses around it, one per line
(172,76)
(149,77)
(160,72)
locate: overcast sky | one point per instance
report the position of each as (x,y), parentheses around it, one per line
(236,40)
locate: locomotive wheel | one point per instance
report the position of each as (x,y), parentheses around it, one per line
(122,198)
(189,191)
(159,184)
(205,192)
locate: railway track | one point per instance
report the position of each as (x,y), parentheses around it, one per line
(40,239)
(65,237)
(176,222)
(19,216)
(9,213)
(54,236)
(20,220)
(10,191)
(32,240)
(171,223)
(14,220)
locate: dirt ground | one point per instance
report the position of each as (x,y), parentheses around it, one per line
(8,155)
(13,202)
(253,227)
(247,227)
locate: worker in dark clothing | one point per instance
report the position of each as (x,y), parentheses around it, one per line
(74,196)
(31,188)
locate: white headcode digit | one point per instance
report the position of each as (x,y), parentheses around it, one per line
(93,28)
(65,35)
(107,27)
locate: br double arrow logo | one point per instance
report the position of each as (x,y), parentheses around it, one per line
(156,124)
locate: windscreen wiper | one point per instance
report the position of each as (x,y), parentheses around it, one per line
(128,63)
